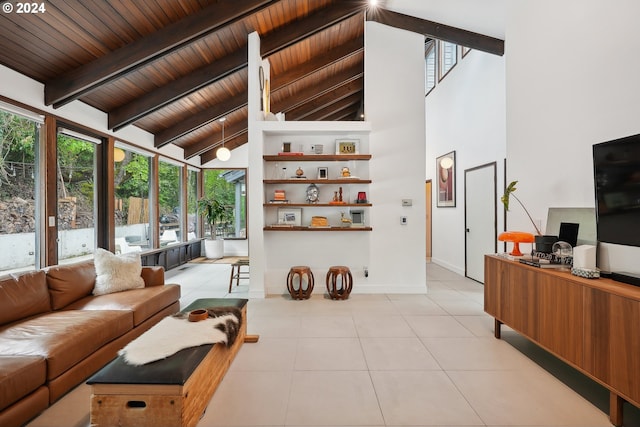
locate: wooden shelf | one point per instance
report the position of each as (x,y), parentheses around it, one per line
(316,158)
(316,205)
(300,228)
(317,181)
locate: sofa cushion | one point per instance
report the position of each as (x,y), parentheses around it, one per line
(64,338)
(19,376)
(68,283)
(23,296)
(116,273)
(144,303)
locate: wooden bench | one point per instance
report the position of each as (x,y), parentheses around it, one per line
(171,392)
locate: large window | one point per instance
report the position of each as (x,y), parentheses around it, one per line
(169,202)
(19,142)
(192,204)
(76,196)
(229,187)
(132,172)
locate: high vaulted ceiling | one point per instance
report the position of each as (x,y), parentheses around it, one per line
(174,67)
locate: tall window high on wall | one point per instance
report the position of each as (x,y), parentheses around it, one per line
(19,146)
(430,65)
(132,179)
(77,192)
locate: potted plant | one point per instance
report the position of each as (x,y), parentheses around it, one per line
(213,212)
(543,243)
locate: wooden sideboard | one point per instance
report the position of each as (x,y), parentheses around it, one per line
(592,324)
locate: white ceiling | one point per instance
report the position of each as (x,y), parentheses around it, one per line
(481,16)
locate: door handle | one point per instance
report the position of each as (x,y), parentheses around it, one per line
(467,230)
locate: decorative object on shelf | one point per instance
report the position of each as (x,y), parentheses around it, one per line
(299,172)
(587,273)
(446,168)
(290,216)
(213,211)
(319,222)
(323,173)
(279,196)
(357,218)
(345,172)
(362,197)
(344,221)
(263,103)
(223,154)
(313,193)
(347,146)
(283,173)
(286,147)
(337,198)
(516,237)
(318,148)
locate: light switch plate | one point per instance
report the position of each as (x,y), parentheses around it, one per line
(407,202)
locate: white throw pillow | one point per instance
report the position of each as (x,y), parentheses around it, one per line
(116,273)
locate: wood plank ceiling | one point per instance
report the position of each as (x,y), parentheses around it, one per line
(174,67)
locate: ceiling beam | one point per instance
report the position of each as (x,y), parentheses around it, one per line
(333,85)
(231,144)
(279,81)
(177,89)
(321,103)
(352,101)
(84,79)
(270,44)
(438,31)
(198,147)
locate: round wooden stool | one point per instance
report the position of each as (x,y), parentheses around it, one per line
(339,275)
(300,292)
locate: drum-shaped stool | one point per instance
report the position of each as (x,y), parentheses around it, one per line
(296,279)
(339,282)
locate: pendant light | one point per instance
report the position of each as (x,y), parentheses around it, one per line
(223,154)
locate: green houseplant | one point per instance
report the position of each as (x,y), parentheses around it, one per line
(213,212)
(543,243)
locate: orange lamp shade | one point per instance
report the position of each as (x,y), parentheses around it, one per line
(516,237)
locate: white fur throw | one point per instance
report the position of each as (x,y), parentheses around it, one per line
(115,273)
(173,334)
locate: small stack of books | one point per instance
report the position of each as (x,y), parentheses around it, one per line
(279,196)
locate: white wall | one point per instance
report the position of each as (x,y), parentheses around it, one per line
(465,112)
(572,81)
(394,105)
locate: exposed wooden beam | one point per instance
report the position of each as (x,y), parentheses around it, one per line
(326,100)
(318,21)
(349,115)
(333,56)
(330,109)
(200,119)
(159,98)
(279,81)
(438,31)
(270,44)
(82,80)
(330,85)
(231,144)
(204,144)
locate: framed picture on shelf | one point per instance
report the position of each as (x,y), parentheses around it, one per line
(323,173)
(446,169)
(347,146)
(357,218)
(290,216)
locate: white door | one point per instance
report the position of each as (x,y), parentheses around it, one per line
(480,218)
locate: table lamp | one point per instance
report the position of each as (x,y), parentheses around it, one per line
(516,237)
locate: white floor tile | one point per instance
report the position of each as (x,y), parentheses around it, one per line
(397,354)
(338,354)
(369,325)
(437,326)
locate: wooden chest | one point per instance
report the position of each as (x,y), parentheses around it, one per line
(171,392)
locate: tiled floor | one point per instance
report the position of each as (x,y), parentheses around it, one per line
(379,360)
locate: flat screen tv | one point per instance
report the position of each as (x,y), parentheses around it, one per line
(616,167)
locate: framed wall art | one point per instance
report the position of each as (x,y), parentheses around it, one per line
(347,146)
(323,173)
(446,169)
(290,216)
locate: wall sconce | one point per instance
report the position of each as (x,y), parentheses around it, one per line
(118,154)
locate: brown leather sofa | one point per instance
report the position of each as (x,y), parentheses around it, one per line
(54,333)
